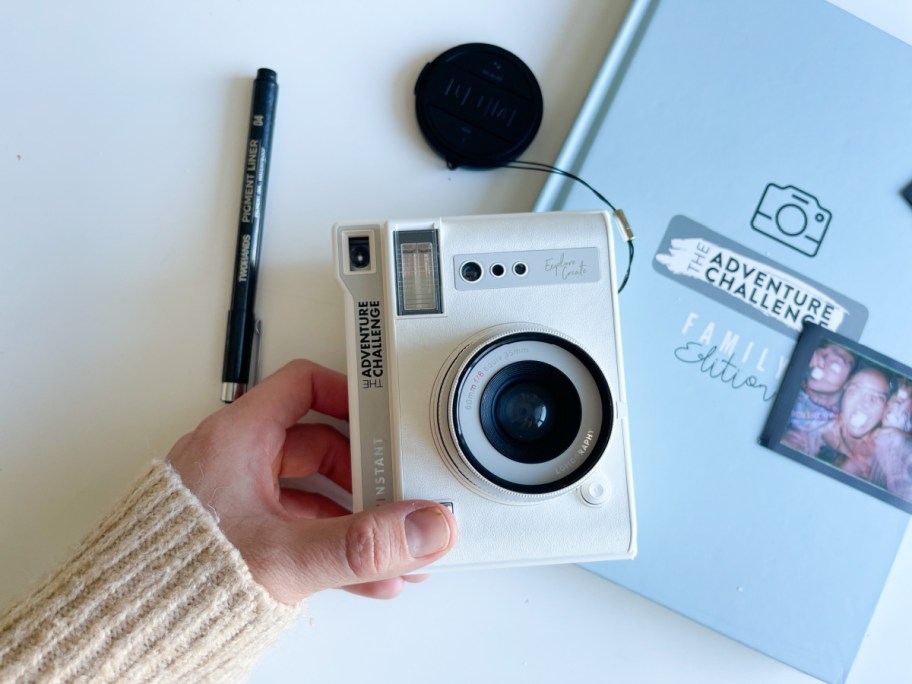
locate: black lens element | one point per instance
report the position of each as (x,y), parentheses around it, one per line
(530,412)
(359,254)
(525,411)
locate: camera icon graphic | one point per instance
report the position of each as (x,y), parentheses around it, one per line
(793,217)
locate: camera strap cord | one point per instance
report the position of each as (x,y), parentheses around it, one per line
(617,215)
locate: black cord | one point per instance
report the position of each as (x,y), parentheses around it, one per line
(629,264)
(547,168)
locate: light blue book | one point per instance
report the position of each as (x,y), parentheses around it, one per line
(759,150)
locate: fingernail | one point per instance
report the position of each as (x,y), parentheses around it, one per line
(426,531)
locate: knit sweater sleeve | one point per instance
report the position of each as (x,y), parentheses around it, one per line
(155,594)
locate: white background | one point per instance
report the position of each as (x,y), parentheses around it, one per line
(120,166)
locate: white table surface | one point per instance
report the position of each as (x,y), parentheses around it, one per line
(123,133)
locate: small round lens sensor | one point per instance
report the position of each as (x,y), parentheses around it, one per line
(471,271)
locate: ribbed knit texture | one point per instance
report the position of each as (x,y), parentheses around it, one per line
(155,594)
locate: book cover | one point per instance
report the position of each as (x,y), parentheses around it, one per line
(760,150)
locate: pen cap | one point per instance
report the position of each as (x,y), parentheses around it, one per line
(254,185)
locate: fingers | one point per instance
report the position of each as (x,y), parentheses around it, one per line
(300,504)
(292,391)
(416,579)
(382,589)
(316,448)
(380,544)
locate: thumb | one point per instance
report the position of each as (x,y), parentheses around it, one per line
(377,544)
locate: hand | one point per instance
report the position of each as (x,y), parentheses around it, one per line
(297,543)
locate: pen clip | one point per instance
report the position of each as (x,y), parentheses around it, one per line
(254,376)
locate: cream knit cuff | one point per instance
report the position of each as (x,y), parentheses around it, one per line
(155,594)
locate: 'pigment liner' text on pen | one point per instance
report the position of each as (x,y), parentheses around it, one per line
(240,338)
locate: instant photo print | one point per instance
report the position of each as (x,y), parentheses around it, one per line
(846,411)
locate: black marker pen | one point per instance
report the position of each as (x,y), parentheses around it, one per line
(242,323)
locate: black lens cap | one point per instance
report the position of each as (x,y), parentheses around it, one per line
(478,105)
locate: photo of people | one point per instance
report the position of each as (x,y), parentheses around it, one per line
(846,411)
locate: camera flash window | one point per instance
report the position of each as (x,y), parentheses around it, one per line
(419,283)
(417,272)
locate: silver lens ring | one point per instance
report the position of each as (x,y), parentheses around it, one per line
(559,393)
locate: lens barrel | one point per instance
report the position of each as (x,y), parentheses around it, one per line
(522,412)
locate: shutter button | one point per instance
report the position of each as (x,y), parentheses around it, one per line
(595,492)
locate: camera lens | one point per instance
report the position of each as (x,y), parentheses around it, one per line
(520,268)
(497,270)
(530,412)
(359,253)
(523,411)
(471,271)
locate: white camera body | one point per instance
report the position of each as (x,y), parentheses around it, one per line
(485,372)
